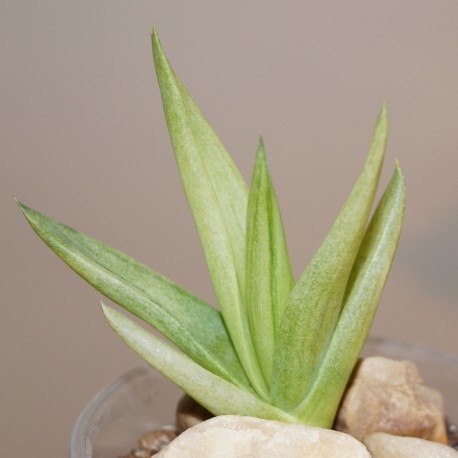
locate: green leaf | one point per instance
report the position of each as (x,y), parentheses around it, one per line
(194,326)
(364,289)
(316,300)
(269,275)
(217,196)
(215,394)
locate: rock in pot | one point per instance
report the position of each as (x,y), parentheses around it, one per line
(389,396)
(190,413)
(382,445)
(232,436)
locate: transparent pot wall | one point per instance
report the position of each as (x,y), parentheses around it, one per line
(110,425)
(142,400)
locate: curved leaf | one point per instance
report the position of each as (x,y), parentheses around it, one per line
(194,326)
(217,197)
(269,275)
(364,289)
(215,394)
(316,300)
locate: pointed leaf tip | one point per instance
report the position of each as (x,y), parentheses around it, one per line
(261,153)
(113,317)
(269,276)
(398,179)
(398,167)
(384,112)
(18,202)
(158,52)
(26,211)
(105,308)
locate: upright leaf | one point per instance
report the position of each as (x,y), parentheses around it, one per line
(316,300)
(217,395)
(362,296)
(217,196)
(269,274)
(194,326)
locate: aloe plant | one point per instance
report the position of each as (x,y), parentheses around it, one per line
(279,349)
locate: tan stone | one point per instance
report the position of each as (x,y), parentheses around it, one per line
(190,413)
(389,396)
(382,445)
(156,440)
(231,436)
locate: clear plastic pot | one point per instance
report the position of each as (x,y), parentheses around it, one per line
(142,400)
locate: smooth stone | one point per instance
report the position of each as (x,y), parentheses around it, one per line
(190,413)
(231,436)
(382,445)
(141,453)
(156,440)
(389,396)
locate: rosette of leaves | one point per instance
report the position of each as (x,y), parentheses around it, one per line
(279,349)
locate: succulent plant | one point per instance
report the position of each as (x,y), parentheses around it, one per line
(279,349)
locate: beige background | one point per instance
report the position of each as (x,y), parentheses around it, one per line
(83,140)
